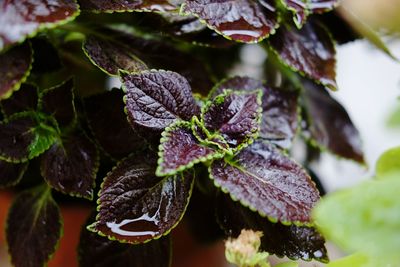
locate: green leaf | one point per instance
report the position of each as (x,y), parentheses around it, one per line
(180,150)
(15,67)
(33,228)
(58,101)
(25,99)
(262,178)
(388,162)
(70,166)
(22,19)
(235,116)
(161,6)
(23,136)
(136,206)
(353,260)
(364,218)
(11,173)
(99,251)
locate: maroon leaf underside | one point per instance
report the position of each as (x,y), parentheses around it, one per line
(294,242)
(330,125)
(137,206)
(11,173)
(123,5)
(279,117)
(59,102)
(15,64)
(309,51)
(265,180)
(299,9)
(22,18)
(25,99)
(234,116)
(108,123)
(71,166)
(155,99)
(240,20)
(180,149)
(33,228)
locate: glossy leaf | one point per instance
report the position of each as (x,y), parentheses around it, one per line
(111,57)
(99,251)
(71,166)
(155,99)
(180,150)
(320,6)
(266,181)
(388,162)
(235,116)
(33,228)
(279,121)
(309,51)
(11,173)
(23,138)
(294,242)
(20,19)
(58,101)
(25,99)
(137,206)
(364,218)
(299,9)
(108,123)
(329,124)
(130,5)
(240,20)
(15,67)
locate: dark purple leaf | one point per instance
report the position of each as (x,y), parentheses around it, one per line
(59,102)
(241,20)
(265,180)
(98,251)
(155,99)
(25,99)
(137,206)
(340,29)
(180,150)
(299,9)
(24,18)
(279,118)
(309,51)
(129,5)
(108,123)
(329,124)
(320,6)
(15,67)
(23,138)
(235,116)
(34,228)
(294,242)
(71,166)
(11,173)
(110,56)
(46,58)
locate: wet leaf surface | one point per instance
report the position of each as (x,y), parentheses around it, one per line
(108,123)
(99,251)
(155,99)
(235,116)
(11,173)
(33,228)
(294,242)
(131,5)
(329,124)
(25,99)
(22,138)
(14,68)
(22,18)
(137,206)
(265,180)
(309,51)
(71,166)
(111,57)
(180,150)
(240,20)
(58,101)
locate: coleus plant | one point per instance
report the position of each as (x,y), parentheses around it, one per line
(189,136)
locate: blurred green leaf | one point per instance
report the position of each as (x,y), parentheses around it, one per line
(389,162)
